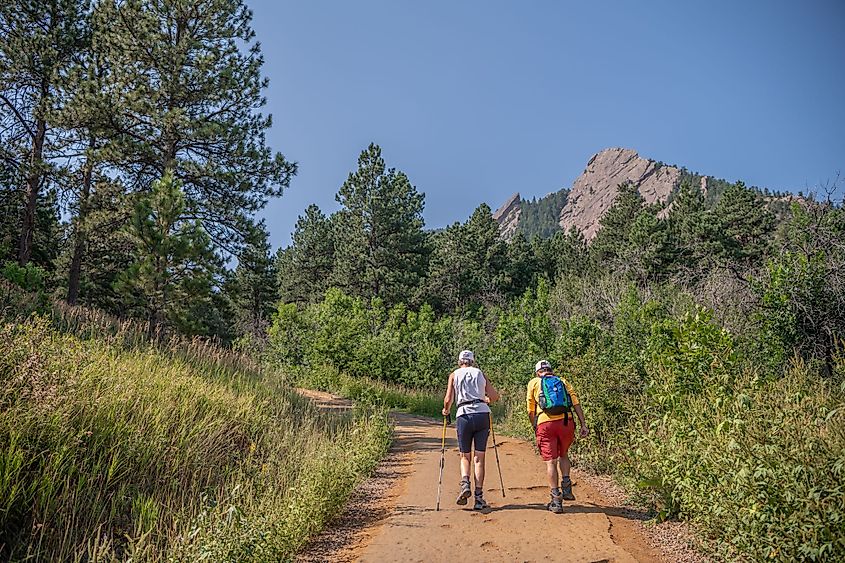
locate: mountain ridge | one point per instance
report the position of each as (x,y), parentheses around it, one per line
(595,190)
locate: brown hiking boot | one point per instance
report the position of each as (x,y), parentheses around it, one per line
(566,490)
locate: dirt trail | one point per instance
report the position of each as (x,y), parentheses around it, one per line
(392,517)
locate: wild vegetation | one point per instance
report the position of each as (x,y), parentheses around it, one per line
(704,336)
(706,344)
(115,446)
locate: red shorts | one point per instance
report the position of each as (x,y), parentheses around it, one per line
(554,438)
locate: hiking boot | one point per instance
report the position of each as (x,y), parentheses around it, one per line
(465,493)
(480,503)
(566,490)
(556,505)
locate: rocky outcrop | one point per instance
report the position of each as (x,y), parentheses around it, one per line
(508,216)
(595,190)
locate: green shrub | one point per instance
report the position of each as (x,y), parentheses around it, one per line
(31,278)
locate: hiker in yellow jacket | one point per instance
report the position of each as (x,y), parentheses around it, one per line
(554,434)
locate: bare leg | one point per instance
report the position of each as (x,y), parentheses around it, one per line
(551,472)
(479,471)
(564,466)
(465,464)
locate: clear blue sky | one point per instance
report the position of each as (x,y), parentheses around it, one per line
(477,100)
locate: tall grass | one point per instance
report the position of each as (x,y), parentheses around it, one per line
(368,391)
(114,445)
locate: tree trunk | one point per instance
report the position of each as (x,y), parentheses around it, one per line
(33,182)
(80,235)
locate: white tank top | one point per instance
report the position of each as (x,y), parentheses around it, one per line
(469,383)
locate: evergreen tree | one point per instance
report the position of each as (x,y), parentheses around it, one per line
(522,266)
(40,37)
(744,226)
(648,253)
(380,248)
(174,271)
(447,284)
(86,114)
(253,289)
(305,268)
(562,254)
(187,74)
(609,246)
(692,230)
(469,264)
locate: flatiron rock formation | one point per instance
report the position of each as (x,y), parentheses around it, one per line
(595,190)
(508,216)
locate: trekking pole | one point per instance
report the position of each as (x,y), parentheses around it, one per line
(496,449)
(442,458)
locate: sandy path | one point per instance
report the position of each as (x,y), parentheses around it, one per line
(392,517)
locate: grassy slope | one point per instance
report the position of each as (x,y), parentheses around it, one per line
(109,450)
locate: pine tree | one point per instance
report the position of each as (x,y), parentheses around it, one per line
(253,289)
(744,226)
(469,265)
(188,77)
(175,266)
(305,268)
(648,254)
(380,246)
(86,115)
(562,254)
(40,38)
(446,286)
(608,247)
(522,266)
(692,230)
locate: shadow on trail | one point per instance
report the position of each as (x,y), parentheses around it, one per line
(626,513)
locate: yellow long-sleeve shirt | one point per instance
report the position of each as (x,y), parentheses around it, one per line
(532,398)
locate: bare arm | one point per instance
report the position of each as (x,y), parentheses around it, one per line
(490,391)
(450,395)
(581,420)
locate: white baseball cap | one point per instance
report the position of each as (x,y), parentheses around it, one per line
(466,356)
(542,365)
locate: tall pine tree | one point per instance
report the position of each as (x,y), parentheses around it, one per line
(188,77)
(380,247)
(40,39)
(305,268)
(175,267)
(253,288)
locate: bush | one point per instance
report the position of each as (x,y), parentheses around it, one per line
(29,278)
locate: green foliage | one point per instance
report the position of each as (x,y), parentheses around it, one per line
(380,246)
(30,277)
(541,217)
(562,254)
(111,452)
(744,224)
(305,269)
(252,289)
(187,76)
(175,265)
(470,267)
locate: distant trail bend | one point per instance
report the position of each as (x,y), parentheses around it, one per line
(391,517)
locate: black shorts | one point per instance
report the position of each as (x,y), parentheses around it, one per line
(471,428)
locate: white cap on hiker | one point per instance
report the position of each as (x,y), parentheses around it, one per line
(466,356)
(542,365)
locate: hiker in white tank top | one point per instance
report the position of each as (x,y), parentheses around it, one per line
(469,383)
(470,390)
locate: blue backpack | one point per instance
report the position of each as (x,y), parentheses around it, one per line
(554,398)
